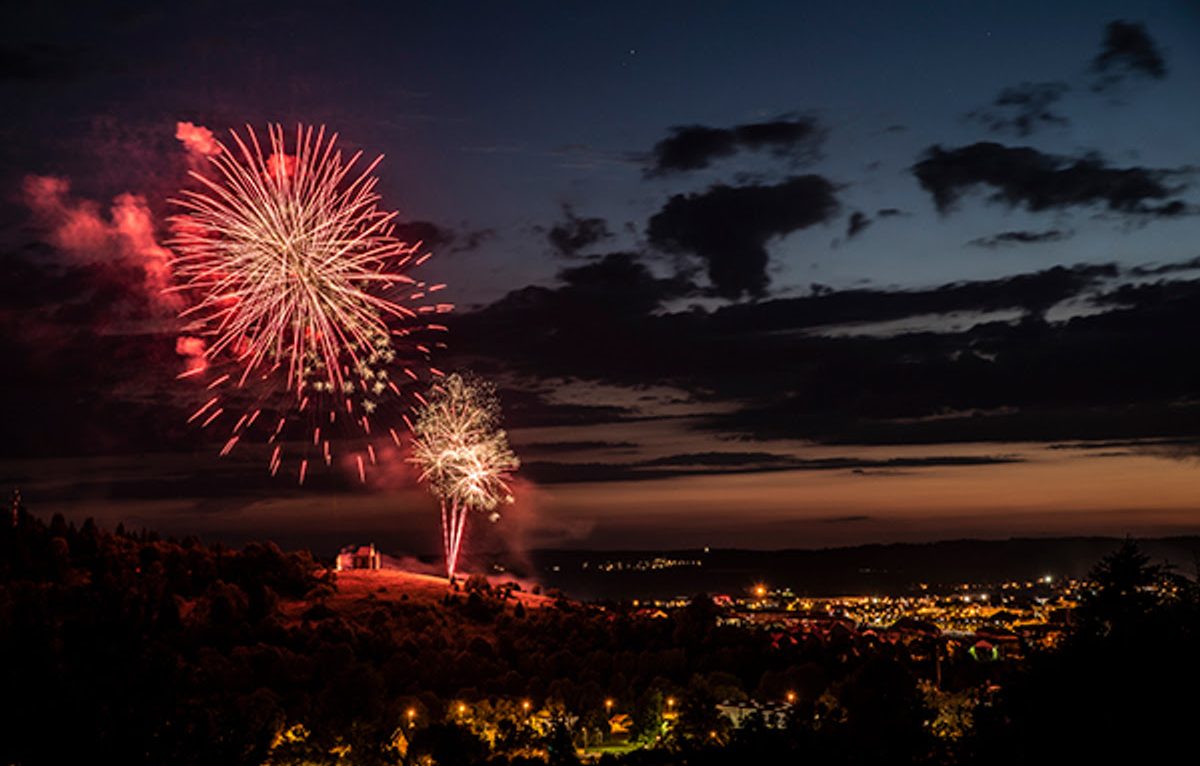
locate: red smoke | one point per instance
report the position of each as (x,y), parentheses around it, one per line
(133,221)
(79,229)
(192,349)
(197,139)
(519,521)
(282,164)
(392,470)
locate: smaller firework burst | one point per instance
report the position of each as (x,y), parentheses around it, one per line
(463,455)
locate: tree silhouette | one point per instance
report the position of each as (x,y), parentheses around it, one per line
(447,744)
(1115,692)
(1123,595)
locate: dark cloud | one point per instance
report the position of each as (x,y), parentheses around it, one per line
(1021,175)
(574,235)
(441,239)
(720,459)
(709,463)
(617,284)
(856,223)
(432,236)
(694,147)
(595,313)
(551,472)
(1180,448)
(622,277)
(1127,50)
(1033,292)
(472,240)
(1023,109)
(1112,373)
(1026,424)
(1129,444)
(1190,264)
(582,445)
(1147,296)
(530,409)
(728,227)
(1006,238)
(600,326)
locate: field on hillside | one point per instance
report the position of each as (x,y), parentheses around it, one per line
(357,589)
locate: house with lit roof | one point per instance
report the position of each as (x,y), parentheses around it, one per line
(358,557)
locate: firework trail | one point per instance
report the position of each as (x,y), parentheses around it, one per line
(463,455)
(301,310)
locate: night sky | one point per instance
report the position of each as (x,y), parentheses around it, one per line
(764,275)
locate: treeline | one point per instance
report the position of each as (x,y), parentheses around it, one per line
(126,648)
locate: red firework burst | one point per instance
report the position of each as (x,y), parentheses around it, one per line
(301,294)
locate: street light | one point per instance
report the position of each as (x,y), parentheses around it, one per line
(461,708)
(608,704)
(670,702)
(412,713)
(791,697)
(525,705)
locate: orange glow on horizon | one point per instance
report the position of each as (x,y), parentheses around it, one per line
(1052,492)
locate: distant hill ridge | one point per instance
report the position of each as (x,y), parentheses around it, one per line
(875,568)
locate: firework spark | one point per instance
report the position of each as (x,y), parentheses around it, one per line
(463,455)
(296,283)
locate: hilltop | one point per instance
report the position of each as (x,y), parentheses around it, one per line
(357,588)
